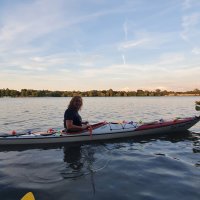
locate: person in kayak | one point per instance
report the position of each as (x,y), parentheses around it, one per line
(72,119)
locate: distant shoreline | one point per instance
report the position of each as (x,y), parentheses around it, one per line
(94,93)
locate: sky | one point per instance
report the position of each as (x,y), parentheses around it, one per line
(100,44)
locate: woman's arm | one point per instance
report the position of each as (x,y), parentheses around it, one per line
(71,126)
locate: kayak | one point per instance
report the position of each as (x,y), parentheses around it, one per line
(101,131)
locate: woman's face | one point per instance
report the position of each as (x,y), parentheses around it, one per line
(77,103)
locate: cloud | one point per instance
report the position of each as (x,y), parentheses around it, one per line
(110,71)
(41,17)
(186,4)
(196,51)
(46,44)
(125,28)
(171,59)
(147,40)
(124,60)
(23,24)
(189,25)
(50,63)
(32,68)
(29,32)
(125,89)
(189,4)
(134,43)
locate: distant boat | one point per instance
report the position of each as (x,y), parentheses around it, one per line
(197,105)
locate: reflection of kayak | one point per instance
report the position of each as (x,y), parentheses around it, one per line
(101,131)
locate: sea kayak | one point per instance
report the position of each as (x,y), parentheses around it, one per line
(101,131)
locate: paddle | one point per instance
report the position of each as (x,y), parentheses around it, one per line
(28,196)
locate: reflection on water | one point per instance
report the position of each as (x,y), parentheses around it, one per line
(73,159)
(115,164)
(83,160)
(72,156)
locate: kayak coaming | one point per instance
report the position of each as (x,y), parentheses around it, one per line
(97,134)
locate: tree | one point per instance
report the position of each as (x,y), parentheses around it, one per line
(140,93)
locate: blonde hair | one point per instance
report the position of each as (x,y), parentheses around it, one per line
(75,98)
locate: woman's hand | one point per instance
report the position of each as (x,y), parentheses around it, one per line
(71,126)
(85,127)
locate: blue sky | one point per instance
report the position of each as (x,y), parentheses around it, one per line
(100,44)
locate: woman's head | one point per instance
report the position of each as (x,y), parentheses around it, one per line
(76,103)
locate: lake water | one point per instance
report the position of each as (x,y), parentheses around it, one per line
(157,167)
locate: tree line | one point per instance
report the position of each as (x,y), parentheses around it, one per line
(93,93)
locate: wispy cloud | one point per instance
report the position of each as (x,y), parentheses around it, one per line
(125,28)
(116,44)
(134,43)
(189,4)
(196,51)
(189,24)
(123,58)
(21,26)
(171,59)
(186,4)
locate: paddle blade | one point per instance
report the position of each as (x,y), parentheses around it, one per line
(28,196)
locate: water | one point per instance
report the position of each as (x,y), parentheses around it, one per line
(155,167)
